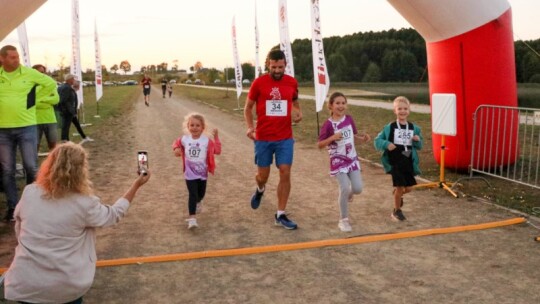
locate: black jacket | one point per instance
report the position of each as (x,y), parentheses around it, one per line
(68,100)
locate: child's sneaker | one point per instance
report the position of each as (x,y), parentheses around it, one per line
(398,215)
(344,225)
(192,223)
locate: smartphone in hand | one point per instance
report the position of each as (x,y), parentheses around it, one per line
(142,162)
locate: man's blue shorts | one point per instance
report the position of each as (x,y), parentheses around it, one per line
(265,150)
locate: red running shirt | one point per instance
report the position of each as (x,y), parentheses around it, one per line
(274,100)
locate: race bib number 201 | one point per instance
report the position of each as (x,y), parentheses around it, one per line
(276,108)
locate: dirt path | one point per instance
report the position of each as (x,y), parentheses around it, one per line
(488,266)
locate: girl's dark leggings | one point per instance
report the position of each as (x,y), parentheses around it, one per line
(197,190)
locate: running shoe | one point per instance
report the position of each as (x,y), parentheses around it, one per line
(192,223)
(285,222)
(256,199)
(344,225)
(398,215)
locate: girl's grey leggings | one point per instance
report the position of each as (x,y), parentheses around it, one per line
(348,182)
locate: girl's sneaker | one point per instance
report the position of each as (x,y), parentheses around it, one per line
(192,223)
(344,225)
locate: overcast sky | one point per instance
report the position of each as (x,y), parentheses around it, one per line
(154,31)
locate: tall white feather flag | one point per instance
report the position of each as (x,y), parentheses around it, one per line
(285,42)
(320,70)
(76,49)
(23,42)
(258,69)
(98,76)
(237,67)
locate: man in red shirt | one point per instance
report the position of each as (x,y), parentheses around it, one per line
(275,98)
(146,84)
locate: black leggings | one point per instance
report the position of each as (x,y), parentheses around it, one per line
(66,124)
(197,190)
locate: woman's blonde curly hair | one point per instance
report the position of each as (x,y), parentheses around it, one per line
(65,171)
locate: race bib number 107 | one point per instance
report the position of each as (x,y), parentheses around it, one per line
(276,108)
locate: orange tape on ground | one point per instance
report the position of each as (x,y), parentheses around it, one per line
(304,245)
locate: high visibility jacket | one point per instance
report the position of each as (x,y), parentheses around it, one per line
(45,106)
(18,96)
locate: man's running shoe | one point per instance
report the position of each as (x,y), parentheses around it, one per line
(285,222)
(398,215)
(256,199)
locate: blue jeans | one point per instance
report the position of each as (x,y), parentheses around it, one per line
(26,139)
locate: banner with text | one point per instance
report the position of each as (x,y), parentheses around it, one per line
(75,68)
(258,69)
(285,42)
(98,76)
(23,42)
(237,67)
(320,70)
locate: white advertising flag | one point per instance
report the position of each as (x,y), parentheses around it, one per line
(258,69)
(23,42)
(75,49)
(98,76)
(237,67)
(285,42)
(320,70)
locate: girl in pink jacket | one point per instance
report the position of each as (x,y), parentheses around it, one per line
(197,151)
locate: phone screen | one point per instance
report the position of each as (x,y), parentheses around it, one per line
(142,161)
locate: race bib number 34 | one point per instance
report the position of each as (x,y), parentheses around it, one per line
(276,108)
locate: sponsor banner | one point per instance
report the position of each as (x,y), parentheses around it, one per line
(320,70)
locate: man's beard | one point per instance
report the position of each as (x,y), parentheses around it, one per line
(276,76)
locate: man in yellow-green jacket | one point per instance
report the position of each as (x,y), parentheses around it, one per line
(45,115)
(18,86)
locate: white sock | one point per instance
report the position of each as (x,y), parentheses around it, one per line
(259,189)
(280,212)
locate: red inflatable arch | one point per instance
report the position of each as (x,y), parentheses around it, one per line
(470,52)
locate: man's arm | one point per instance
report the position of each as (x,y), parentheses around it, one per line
(296,114)
(248,116)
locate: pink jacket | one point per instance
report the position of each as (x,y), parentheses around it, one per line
(214,148)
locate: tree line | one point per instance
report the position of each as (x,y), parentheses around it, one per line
(391,56)
(386,56)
